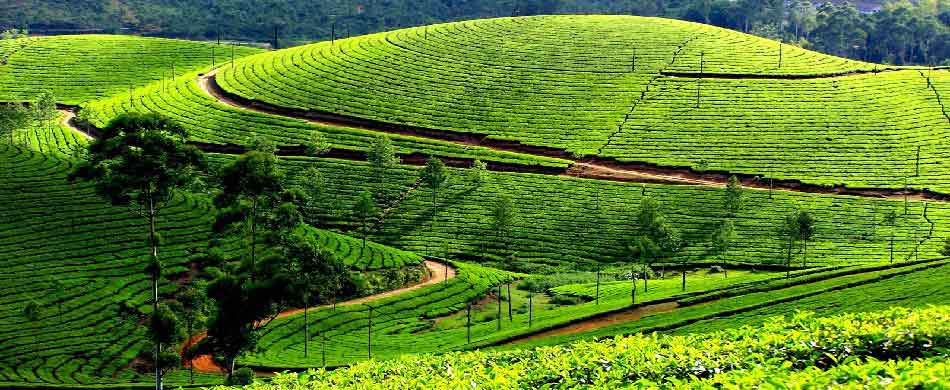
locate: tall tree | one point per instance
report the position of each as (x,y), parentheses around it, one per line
(44,109)
(653,238)
(436,177)
(477,172)
(366,212)
(732,200)
(789,232)
(194,306)
(722,240)
(806,231)
(503,219)
(13,117)
(250,189)
(317,276)
(381,157)
(141,160)
(945,251)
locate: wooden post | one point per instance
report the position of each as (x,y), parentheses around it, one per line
(780,45)
(597,293)
(633,62)
(633,289)
(468,323)
(918,160)
(212,56)
(369,335)
(699,81)
(498,322)
(530,309)
(510,318)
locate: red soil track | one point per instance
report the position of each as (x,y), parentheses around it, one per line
(438,273)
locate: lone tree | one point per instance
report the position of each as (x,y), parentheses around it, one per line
(44,109)
(503,219)
(945,251)
(806,231)
(365,211)
(478,172)
(317,276)
(194,308)
(890,219)
(12,118)
(250,188)
(732,200)
(654,238)
(436,177)
(141,160)
(318,204)
(722,240)
(381,157)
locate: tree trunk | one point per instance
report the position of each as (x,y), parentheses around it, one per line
(788,261)
(306,328)
(499,308)
(155,275)
(253,239)
(510,318)
(684,276)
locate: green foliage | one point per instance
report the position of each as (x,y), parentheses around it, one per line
(14,33)
(435,176)
(796,345)
(946,248)
(79,68)
(476,174)
(12,117)
(366,212)
(317,144)
(732,200)
(140,159)
(241,377)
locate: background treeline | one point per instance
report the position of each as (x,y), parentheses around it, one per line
(890,31)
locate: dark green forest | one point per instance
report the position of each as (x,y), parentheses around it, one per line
(888,31)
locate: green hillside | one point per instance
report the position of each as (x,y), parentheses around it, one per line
(84,67)
(855,351)
(627,88)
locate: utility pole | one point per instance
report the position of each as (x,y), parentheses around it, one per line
(332,29)
(780,46)
(369,335)
(633,289)
(510,318)
(918,161)
(498,327)
(597,294)
(530,309)
(131,104)
(633,61)
(468,323)
(699,81)
(212,56)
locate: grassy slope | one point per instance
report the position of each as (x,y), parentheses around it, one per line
(210,121)
(78,258)
(84,67)
(563,220)
(566,82)
(786,353)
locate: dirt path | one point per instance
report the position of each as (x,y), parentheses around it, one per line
(438,273)
(67,122)
(590,168)
(628,315)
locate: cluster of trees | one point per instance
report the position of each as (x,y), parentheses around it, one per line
(899,32)
(261,261)
(14,33)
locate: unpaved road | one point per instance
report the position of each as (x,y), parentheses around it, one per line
(438,273)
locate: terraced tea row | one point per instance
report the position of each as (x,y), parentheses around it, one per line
(208,120)
(62,248)
(566,220)
(863,131)
(84,67)
(391,324)
(560,82)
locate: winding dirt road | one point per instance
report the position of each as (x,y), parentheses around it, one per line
(438,273)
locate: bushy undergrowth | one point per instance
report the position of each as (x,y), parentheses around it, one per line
(868,350)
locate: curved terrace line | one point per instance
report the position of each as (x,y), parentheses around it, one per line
(438,273)
(596,168)
(766,76)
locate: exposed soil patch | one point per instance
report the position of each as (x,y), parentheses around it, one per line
(627,315)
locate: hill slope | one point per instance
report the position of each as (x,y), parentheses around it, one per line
(83,67)
(637,90)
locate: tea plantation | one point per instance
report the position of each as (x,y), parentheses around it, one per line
(546,274)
